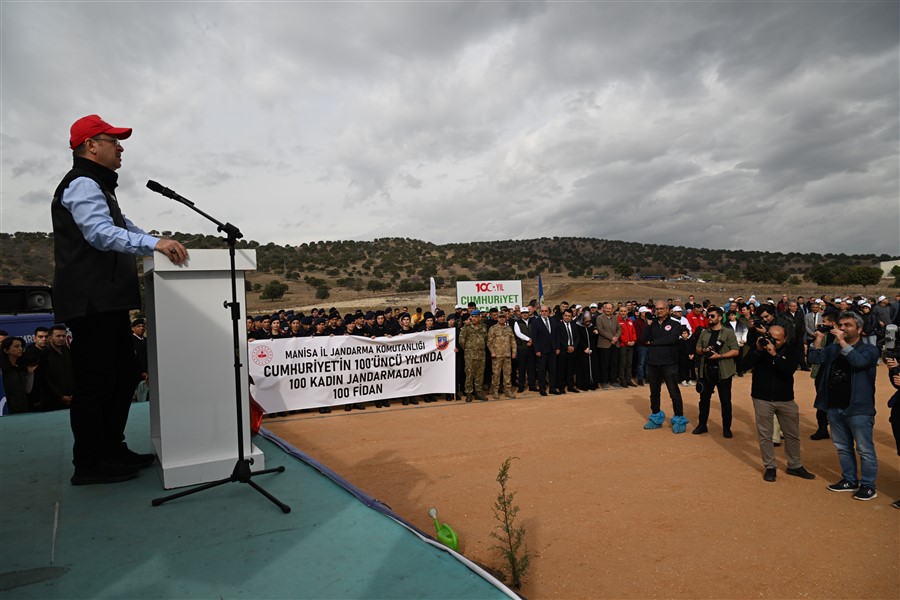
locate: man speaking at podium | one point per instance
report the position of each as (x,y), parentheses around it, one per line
(95,285)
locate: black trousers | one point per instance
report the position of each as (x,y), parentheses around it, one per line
(895,424)
(106,373)
(724,388)
(609,364)
(656,374)
(526,366)
(546,370)
(565,370)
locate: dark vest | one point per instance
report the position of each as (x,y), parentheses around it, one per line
(88,281)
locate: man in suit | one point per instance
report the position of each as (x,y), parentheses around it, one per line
(607,344)
(569,339)
(521,327)
(812,320)
(545,343)
(799,337)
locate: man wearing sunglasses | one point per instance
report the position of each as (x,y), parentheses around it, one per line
(95,285)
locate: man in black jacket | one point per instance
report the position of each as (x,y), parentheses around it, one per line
(774,361)
(661,337)
(94,286)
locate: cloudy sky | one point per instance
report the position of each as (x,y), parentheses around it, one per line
(754,125)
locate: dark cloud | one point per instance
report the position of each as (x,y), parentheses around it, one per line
(685,123)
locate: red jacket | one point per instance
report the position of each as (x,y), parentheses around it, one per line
(697,321)
(628,332)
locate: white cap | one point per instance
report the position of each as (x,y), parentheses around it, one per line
(866,304)
(525,309)
(863,302)
(593,305)
(677,308)
(880,298)
(731,299)
(752,297)
(644,309)
(818,301)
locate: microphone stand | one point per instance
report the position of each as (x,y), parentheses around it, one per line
(242,472)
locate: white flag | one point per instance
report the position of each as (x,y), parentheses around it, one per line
(433,297)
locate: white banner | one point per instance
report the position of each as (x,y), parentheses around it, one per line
(313,372)
(489,294)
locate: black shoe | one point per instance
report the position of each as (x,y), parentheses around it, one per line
(699,429)
(843,486)
(413,401)
(469,397)
(896,504)
(805,369)
(533,389)
(574,391)
(141,461)
(727,434)
(776,444)
(520,390)
(769,475)
(640,382)
(324,410)
(543,393)
(865,493)
(821,434)
(104,472)
(800,472)
(481,397)
(359,407)
(348,408)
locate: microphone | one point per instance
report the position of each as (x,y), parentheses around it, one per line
(159,189)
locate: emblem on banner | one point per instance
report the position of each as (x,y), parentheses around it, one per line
(262,355)
(442,341)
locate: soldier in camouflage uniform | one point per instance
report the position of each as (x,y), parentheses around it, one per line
(472,338)
(501,343)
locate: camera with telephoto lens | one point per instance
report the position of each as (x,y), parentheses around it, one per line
(890,342)
(713,348)
(759,324)
(763,341)
(824,328)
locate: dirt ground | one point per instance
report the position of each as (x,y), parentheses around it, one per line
(614,511)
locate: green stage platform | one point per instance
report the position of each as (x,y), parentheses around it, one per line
(107,541)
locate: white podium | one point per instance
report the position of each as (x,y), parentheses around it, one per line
(193,415)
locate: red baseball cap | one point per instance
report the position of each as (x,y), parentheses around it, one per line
(92,125)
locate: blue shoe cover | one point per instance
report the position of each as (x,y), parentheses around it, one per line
(679,424)
(656,420)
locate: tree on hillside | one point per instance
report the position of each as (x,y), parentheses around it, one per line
(822,274)
(623,270)
(274,290)
(896,273)
(322,292)
(861,276)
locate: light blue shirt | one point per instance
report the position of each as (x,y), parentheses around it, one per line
(85,200)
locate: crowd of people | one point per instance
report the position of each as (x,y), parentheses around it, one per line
(614,345)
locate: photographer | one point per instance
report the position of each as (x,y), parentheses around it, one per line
(772,389)
(890,360)
(847,391)
(827,323)
(759,327)
(717,347)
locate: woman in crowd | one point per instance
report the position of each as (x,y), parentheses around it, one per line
(18,375)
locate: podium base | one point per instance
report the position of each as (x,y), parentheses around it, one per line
(177,475)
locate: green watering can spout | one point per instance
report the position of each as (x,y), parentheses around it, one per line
(445,533)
